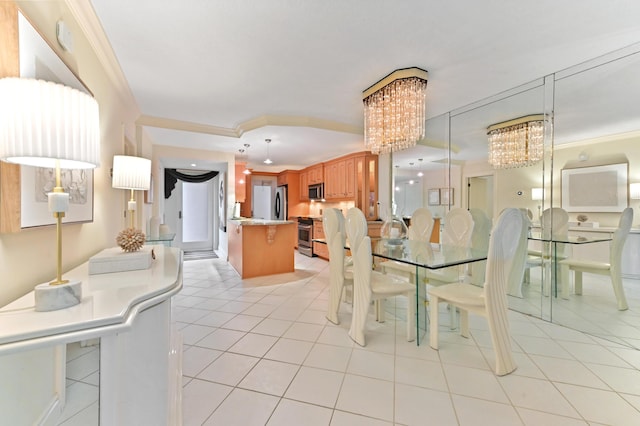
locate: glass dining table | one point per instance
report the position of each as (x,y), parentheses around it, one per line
(556,252)
(424,255)
(421,255)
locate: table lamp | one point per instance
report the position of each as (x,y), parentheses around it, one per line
(132,173)
(44,124)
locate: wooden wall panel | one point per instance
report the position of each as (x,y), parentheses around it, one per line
(9,67)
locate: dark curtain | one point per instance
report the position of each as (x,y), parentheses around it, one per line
(171,177)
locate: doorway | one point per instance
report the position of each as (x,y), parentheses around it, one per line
(197,216)
(480,194)
(190,212)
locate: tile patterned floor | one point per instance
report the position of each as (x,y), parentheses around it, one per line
(260,352)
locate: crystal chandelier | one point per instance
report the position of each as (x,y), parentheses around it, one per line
(394,111)
(516,143)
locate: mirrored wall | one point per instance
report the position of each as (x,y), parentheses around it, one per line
(593,120)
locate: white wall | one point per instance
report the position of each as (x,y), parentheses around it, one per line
(27,258)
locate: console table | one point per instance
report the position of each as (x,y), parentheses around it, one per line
(140,357)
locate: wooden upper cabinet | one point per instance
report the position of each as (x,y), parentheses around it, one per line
(340,179)
(350,177)
(316,174)
(304,185)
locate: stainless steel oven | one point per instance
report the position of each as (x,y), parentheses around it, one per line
(305,236)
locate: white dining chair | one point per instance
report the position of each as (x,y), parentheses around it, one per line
(370,285)
(457,232)
(489,301)
(555,226)
(520,263)
(613,268)
(479,240)
(340,269)
(419,230)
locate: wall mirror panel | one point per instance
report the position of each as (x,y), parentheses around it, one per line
(595,119)
(597,123)
(422,173)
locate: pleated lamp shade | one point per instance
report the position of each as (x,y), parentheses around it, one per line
(131,172)
(43,122)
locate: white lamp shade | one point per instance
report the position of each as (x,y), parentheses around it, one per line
(43,122)
(634,191)
(131,172)
(536,194)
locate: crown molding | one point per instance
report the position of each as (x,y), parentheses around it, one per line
(91,26)
(252,124)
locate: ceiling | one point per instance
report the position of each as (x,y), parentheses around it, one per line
(215,75)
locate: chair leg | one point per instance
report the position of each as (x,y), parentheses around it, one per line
(452,317)
(361,305)
(618,289)
(335,294)
(464,322)
(379,308)
(565,284)
(577,276)
(501,340)
(433,322)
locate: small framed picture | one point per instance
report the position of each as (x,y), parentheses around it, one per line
(434,197)
(446,196)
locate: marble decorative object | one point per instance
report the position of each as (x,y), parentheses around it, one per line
(53,297)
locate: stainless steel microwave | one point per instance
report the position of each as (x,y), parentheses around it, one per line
(316,191)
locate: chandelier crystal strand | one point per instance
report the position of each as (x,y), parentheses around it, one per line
(516,143)
(394,115)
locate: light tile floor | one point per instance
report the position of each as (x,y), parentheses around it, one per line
(260,352)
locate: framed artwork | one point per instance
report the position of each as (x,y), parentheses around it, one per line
(446,196)
(434,197)
(595,188)
(148,195)
(37,182)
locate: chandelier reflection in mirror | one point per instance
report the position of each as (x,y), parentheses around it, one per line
(516,143)
(394,111)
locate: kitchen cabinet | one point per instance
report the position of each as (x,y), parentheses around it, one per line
(310,176)
(319,249)
(249,240)
(316,174)
(340,179)
(289,177)
(304,185)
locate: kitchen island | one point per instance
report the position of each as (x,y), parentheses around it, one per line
(260,247)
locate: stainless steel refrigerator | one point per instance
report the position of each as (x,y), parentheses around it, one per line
(280,204)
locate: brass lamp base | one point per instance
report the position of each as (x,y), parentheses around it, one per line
(59,296)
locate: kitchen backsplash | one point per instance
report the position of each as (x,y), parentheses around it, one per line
(317,208)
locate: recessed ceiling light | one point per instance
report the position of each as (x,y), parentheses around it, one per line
(193,164)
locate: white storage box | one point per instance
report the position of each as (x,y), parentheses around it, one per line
(115,260)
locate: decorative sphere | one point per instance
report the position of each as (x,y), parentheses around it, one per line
(130,239)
